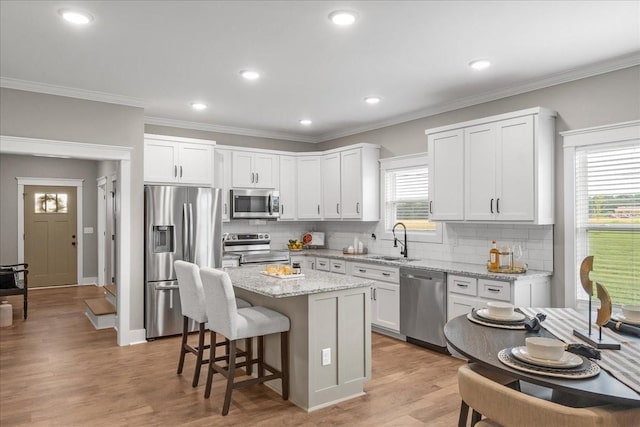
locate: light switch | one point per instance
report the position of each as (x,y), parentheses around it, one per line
(88,230)
(326,356)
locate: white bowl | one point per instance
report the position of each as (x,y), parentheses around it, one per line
(545,348)
(499,309)
(631,312)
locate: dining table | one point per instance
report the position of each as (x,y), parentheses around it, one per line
(481,344)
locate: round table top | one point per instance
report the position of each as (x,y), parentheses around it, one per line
(482,343)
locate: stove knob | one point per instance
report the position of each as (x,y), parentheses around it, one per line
(260,236)
(234,237)
(266,236)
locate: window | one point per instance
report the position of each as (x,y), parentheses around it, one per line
(607,217)
(50,203)
(406,197)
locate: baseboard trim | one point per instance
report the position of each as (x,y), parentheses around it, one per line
(88,281)
(137,336)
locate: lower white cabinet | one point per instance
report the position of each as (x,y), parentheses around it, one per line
(306,262)
(466,293)
(385,294)
(323,264)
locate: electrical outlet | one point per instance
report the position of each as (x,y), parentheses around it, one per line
(326,356)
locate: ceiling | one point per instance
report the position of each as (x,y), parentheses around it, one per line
(164,55)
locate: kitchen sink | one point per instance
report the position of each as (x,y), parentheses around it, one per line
(391,258)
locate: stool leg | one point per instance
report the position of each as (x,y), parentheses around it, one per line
(284,362)
(230,377)
(464,413)
(212,360)
(248,345)
(196,374)
(185,327)
(475,417)
(260,357)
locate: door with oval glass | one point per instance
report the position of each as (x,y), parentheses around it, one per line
(50,243)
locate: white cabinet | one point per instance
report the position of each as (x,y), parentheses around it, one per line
(222,179)
(288,187)
(309,187)
(498,168)
(338,266)
(306,262)
(466,293)
(446,173)
(323,264)
(331,185)
(254,169)
(385,294)
(175,160)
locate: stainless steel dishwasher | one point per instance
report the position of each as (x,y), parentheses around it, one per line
(423,307)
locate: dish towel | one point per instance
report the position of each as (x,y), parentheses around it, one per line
(622,364)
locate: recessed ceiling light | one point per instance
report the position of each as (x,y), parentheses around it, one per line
(75,17)
(305,122)
(372,100)
(198,106)
(343,17)
(480,64)
(250,75)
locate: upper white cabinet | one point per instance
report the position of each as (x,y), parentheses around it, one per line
(505,163)
(254,170)
(288,188)
(446,151)
(309,187)
(176,160)
(222,179)
(331,185)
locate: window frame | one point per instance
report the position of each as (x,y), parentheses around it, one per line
(398,163)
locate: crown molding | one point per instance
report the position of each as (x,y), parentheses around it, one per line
(551,80)
(160,121)
(70,92)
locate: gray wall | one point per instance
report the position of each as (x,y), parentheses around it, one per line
(36,115)
(604,99)
(42,167)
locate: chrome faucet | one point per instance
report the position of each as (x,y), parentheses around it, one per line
(403,251)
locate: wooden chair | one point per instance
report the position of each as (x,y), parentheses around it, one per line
(193,307)
(11,284)
(504,406)
(237,324)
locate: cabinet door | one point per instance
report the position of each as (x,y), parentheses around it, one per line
(160,161)
(515,171)
(446,172)
(458,305)
(351,184)
(309,187)
(331,185)
(222,179)
(265,168)
(288,188)
(195,164)
(480,181)
(242,173)
(385,310)
(323,264)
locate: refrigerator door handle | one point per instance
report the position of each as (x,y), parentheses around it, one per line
(270,203)
(185,238)
(192,249)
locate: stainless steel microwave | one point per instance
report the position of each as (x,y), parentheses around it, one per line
(261,204)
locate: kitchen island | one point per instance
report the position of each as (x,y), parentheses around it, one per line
(330,335)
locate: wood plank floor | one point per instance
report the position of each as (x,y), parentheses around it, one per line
(56,370)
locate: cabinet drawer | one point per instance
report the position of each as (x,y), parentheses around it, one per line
(323,264)
(384,274)
(494,289)
(338,266)
(462,285)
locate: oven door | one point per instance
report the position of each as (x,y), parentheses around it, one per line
(262,204)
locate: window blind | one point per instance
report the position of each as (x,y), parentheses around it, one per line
(607,209)
(407,198)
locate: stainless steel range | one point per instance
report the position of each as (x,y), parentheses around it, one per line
(253,248)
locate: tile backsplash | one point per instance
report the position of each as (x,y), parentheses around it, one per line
(468,243)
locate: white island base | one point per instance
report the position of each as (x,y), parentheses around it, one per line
(333,322)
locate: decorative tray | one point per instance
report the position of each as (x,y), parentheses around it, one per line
(508,270)
(283,276)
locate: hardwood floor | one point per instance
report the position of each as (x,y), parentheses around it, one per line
(55,369)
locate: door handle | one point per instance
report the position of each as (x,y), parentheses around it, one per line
(175,171)
(498,204)
(430,206)
(491,207)
(257,177)
(357,207)
(180,171)
(337,208)
(252,177)
(318,209)
(225,208)
(185,237)
(73,243)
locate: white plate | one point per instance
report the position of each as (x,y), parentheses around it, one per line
(568,360)
(515,316)
(622,318)
(591,371)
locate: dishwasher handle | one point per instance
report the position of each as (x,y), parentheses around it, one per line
(417,276)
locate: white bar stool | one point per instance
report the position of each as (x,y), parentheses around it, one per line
(237,323)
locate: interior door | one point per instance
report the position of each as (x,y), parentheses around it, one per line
(50,243)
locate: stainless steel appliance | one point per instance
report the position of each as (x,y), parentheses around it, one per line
(253,248)
(423,307)
(260,204)
(181,223)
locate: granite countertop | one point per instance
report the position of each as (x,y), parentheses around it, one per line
(431,265)
(313,282)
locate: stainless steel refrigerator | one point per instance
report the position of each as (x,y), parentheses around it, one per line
(181,223)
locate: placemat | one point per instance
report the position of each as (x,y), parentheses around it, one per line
(622,364)
(591,369)
(483,322)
